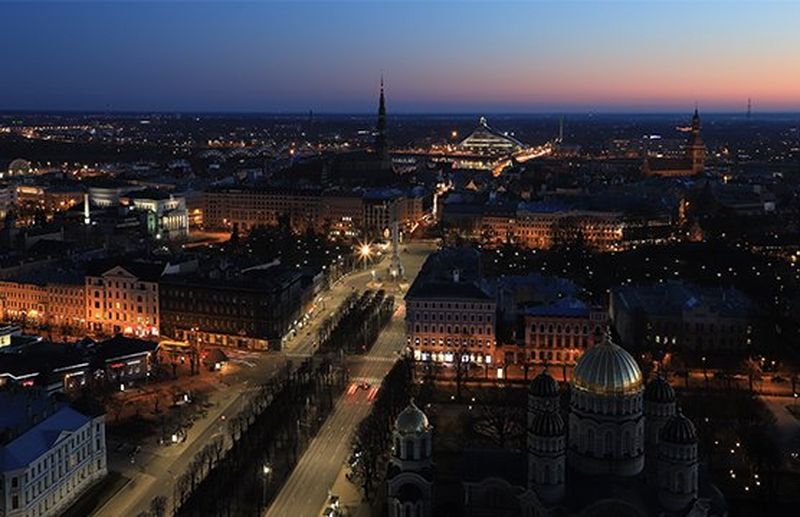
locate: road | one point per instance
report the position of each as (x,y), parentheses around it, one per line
(157,467)
(306,491)
(788,435)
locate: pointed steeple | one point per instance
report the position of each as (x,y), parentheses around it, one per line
(380,128)
(696,120)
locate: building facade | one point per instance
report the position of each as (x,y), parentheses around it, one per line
(248,208)
(682,316)
(539,226)
(450,315)
(54,455)
(39,299)
(167,216)
(122,298)
(253,311)
(560,332)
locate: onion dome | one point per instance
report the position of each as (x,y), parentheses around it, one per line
(607,369)
(658,390)
(543,385)
(679,430)
(411,420)
(548,424)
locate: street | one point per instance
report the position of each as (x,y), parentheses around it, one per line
(157,467)
(306,491)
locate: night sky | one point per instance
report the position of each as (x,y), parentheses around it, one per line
(455,56)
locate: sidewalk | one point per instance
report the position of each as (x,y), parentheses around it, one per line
(349,497)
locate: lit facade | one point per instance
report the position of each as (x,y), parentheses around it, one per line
(123,299)
(450,316)
(487,140)
(542,229)
(54,304)
(560,333)
(168,217)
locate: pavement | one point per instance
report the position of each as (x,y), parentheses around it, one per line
(788,426)
(157,467)
(311,483)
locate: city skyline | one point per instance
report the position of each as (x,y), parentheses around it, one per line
(448,57)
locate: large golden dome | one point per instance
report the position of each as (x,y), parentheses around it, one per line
(607,369)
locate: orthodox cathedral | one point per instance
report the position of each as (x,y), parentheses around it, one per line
(622,449)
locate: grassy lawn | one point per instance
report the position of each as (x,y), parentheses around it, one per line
(97,495)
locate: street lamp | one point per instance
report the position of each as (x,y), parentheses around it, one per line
(364,251)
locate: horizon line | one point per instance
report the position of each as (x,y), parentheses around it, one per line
(5,112)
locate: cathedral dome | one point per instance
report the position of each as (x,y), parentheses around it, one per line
(658,390)
(679,430)
(544,385)
(411,420)
(607,369)
(548,424)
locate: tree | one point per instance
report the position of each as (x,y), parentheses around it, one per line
(753,370)
(365,460)
(234,240)
(460,367)
(498,417)
(158,506)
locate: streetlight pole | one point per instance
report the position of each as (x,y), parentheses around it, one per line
(266,471)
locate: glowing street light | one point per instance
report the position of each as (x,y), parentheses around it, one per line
(365,252)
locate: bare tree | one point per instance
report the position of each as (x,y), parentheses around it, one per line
(460,368)
(158,506)
(498,417)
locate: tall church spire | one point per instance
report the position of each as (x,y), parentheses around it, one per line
(380,128)
(696,149)
(696,120)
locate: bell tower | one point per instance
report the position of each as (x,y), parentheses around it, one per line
(696,149)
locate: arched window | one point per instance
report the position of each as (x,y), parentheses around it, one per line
(409,450)
(628,443)
(548,474)
(609,444)
(590,440)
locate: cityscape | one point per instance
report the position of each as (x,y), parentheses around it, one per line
(400,259)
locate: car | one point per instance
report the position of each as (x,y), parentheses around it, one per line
(364,386)
(778,379)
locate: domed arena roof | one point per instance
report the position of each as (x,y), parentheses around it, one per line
(659,390)
(607,369)
(544,385)
(679,430)
(411,420)
(549,423)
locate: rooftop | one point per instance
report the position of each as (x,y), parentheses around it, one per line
(33,424)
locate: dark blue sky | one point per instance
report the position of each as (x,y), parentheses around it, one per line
(444,57)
